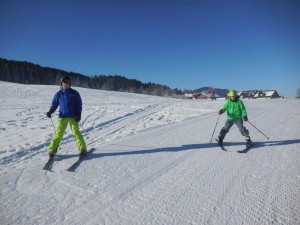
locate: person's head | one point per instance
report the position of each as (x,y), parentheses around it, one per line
(65,82)
(232,94)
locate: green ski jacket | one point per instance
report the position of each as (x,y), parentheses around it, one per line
(235,109)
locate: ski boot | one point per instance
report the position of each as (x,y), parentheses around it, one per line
(248,142)
(82,153)
(52,154)
(220,141)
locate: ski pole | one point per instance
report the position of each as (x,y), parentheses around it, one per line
(258,129)
(214,129)
(53,125)
(54,130)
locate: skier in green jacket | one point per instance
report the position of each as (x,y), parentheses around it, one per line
(236,113)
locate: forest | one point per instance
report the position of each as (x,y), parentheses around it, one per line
(28,73)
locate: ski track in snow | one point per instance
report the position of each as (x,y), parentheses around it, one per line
(153,162)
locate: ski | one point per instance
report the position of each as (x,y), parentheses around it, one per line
(246,149)
(48,164)
(74,166)
(221,146)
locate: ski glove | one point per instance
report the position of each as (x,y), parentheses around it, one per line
(49,113)
(78,117)
(220,112)
(245,118)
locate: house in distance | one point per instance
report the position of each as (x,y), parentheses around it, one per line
(250,94)
(255,94)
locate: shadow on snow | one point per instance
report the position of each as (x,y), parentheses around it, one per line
(262,144)
(256,145)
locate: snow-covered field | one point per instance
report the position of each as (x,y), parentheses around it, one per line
(153,164)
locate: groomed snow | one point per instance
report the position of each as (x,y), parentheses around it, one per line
(153,164)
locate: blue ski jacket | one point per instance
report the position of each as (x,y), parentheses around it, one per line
(69,102)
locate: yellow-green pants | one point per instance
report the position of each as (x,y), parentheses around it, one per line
(61,127)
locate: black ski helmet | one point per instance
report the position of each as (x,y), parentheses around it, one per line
(65,79)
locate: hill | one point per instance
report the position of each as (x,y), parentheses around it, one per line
(153,164)
(29,73)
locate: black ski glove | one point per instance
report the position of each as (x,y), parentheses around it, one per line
(220,112)
(78,117)
(245,118)
(49,113)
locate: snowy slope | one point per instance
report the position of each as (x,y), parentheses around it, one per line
(153,164)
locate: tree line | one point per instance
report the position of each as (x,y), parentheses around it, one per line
(28,73)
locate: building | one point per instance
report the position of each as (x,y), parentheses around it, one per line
(250,94)
(197,96)
(254,94)
(247,94)
(267,94)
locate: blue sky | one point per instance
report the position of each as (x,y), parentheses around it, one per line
(185,44)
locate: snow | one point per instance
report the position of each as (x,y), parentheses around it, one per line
(153,164)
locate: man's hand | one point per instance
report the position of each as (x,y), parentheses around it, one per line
(49,113)
(78,117)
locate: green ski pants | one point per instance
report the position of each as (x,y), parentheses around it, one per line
(59,133)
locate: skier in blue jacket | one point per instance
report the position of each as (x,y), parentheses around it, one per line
(70,107)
